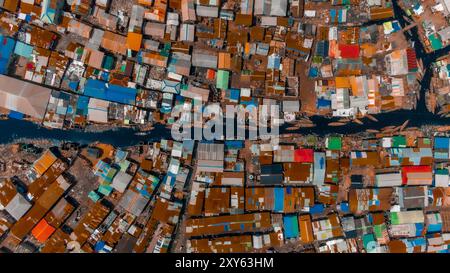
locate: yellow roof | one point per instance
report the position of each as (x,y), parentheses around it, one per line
(44,162)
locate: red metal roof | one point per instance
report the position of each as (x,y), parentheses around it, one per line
(304,155)
(413,169)
(412,60)
(349,51)
(42,231)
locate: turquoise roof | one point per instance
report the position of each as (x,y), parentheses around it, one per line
(23,50)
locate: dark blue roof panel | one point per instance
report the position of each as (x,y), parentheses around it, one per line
(110,92)
(6,50)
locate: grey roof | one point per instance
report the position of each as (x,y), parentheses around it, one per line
(278,8)
(204,59)
(388,179)
(96,38)
(413,197)
(18,206)
(291,106)
(445,34)
(121,181)
(210,166)
(125,244)
(154,29)
(182,175)
(133,202)
(136,18)
(207,11)
(210,151)
(187,32)
(262,7)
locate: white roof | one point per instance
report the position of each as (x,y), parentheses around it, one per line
(187,32)
(310,13)
(121,181)
(98,110)
(441,180)
(268,21)
(23,97)
(278,7)
(445,34)
(18,206)
(447,5)
(207,11)
(388,180)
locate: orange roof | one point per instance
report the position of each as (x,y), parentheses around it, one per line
(211,74)
(114,42)
(42,231)
(247,48)
(342,82)
(306,229)
(44,162)
(11,5)
(145,2)
(134,41)
(224,60)
(356,86)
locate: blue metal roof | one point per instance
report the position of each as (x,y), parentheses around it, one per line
(272,169)
(234,144)
(233,94)
(15,115)
(317,209)
(82,105)
(100,90)
(441,142)
(323,103)
(279,199)
(6,50)
(290,226)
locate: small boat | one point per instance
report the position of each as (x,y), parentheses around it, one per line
(306,120)
(387,128)
(404,125)
(358,121)
(443,128)
(343,120)
(336,124)
(386,131)
(308,125)
(293,128)
(372,118)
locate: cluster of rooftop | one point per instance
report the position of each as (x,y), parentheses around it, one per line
(89,61)
(431,17)
(387,193)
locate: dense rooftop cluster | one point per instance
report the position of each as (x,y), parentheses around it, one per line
(338,194)
(66,64)
(433,30)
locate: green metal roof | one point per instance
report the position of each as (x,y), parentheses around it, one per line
(105,189)
(399,141)
(436,43)
(108,62)
(334,143)
(223,78)
(93,196)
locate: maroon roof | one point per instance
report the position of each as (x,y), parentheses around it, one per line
(412,59)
